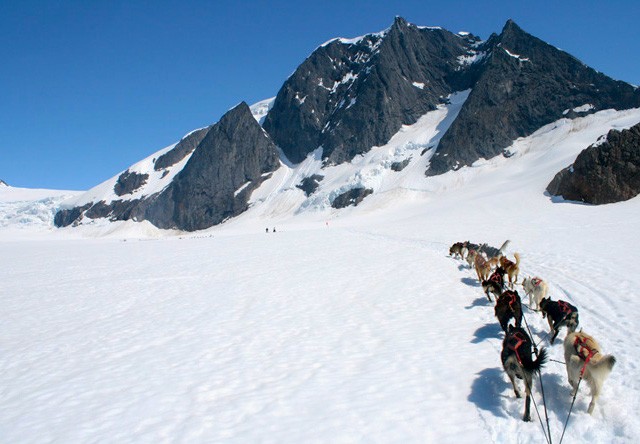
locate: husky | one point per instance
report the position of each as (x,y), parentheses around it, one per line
(492,252)
(537,289)
(482,267)
(495,283)
(585,361)
(512,268)
(471,257)
(517,363)
(508,306)
(457,250)
(559,314)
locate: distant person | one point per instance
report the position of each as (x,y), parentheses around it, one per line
(267,229)
(274,229)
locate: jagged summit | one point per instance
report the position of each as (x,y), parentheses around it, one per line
(348,97)
(3,183)
(523,84)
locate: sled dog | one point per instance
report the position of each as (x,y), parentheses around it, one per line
(517,363)
(559,314)
(584,359)
(508,306)
(537,289)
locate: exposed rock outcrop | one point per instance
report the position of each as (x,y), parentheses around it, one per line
(352,197)
(128,182)
(310,184)
(603,173)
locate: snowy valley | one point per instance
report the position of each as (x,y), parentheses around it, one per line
(345,325)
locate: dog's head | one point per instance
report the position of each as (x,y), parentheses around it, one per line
(543,306)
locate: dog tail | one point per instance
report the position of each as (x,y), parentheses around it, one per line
(503,248)
(517,256)
(535,366)
(603,367)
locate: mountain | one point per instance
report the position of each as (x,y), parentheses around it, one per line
(350,95)
(606,172)
(461,99)
(523,84)
(199,182)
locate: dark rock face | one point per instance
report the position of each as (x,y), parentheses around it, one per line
(523,84)
(399,166)
(181,150)
(352,197)
(605,173)
(64,218)
(3,183)
(233,159)
(310,184)
(128,182)
(348,97)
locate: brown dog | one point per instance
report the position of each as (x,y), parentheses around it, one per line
(512,268)
(482,267)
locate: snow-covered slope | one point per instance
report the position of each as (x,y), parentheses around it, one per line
(348,325)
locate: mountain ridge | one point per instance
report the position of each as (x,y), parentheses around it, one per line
(351,95)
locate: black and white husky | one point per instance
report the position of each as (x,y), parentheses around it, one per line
(518,363)
(559,314)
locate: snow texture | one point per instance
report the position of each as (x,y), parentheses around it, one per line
(348,325)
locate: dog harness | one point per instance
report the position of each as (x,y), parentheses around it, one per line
(584,351)
(512,298)
(497,278)
(520,339)
(536,281)
(565,307)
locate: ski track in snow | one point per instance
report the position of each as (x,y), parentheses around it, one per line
(350,326)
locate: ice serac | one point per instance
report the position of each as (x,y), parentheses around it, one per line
(523,84)
(351,95)
(603,173)
(232,160)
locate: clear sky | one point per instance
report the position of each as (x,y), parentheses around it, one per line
(88,88)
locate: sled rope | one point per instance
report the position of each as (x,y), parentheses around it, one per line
(544,400)
(570,409)
(535,406)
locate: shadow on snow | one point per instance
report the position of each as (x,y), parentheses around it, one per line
(488,331)
(471,282)
(486,391)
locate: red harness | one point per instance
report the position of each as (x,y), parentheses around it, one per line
(512,299)
(581,347)
(521,339)
(565,307)
(536,281)
(497,278)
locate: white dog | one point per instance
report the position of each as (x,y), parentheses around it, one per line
(537,289)
(583,357)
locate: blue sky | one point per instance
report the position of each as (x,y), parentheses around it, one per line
(88,88)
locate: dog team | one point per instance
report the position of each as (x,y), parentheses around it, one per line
(583,356)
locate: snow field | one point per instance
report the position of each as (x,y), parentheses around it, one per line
(344,326)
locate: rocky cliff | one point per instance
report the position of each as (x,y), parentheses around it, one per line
(606,172)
